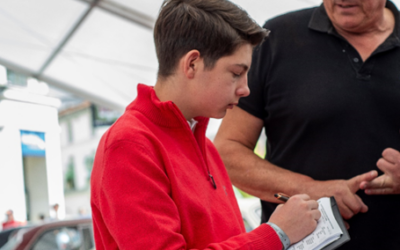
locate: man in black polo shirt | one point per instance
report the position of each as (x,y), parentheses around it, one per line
(326,87)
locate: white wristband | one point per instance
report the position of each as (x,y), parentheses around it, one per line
(282,235)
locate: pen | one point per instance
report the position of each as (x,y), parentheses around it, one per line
(282,197)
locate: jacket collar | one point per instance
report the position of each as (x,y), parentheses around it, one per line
(165,114)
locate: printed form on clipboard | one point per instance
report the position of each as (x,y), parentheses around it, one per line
(330,232)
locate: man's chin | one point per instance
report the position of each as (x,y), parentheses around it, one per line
(350,24)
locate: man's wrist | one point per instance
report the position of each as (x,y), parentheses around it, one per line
(281,234)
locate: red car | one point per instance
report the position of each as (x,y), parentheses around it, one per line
(58,235)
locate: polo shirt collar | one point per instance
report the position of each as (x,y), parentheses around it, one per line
(320,21)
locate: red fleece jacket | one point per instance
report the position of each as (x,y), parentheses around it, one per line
(150,185)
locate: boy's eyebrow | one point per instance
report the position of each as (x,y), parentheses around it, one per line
(244,66)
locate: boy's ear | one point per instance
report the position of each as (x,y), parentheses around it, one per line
(191,63)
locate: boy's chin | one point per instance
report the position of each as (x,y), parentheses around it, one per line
(220,115)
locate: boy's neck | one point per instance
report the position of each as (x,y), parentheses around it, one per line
(172,89)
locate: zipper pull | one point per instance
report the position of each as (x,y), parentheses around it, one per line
(212,181)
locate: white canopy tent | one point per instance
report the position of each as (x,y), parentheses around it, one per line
(96,49)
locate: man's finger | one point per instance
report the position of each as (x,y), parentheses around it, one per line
(354,183)
(383,182)
(385,165)
(391,155)
(376,183)
(364,208)
(379,191)
(355,205)
(346,210)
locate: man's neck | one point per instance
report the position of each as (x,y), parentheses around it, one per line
(367,41)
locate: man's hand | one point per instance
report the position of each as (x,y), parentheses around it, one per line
(297,217)
(389,182)
(344,192)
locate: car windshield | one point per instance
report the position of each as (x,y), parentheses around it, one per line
(14,240)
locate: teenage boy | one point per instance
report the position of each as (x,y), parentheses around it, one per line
(157,181)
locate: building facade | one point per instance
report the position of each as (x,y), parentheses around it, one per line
(31,177)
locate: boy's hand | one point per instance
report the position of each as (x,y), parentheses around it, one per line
(297,217)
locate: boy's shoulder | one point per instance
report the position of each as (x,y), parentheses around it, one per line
(130,127)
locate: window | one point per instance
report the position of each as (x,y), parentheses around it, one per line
(103,116)
(87,238)
(70,174)
(89,160)
(70,132)
(16,78)
(66,238)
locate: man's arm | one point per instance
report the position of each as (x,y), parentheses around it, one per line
(235,141)
(389,182)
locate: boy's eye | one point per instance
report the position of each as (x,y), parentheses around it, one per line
(237,75)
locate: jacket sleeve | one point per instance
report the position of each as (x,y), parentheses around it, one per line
(135,203)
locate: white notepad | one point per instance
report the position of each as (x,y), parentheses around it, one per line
(327,231)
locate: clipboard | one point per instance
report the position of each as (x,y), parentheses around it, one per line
(345,236)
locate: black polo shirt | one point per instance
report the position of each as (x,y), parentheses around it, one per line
(327,114)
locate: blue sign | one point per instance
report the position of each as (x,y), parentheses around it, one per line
(33,143)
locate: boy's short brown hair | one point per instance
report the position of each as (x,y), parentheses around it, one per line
(215,28)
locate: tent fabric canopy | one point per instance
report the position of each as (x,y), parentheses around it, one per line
(98,50)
